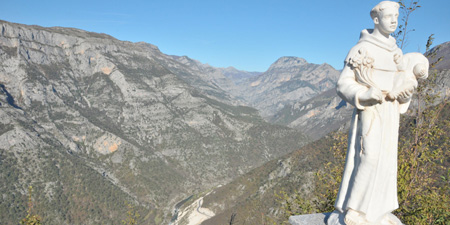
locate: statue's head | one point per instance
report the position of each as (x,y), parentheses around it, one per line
(385,16)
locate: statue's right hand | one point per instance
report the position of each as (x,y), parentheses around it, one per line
(371,97)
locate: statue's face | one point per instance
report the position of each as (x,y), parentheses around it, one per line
(386,21)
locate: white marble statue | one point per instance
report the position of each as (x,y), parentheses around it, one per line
(378,80)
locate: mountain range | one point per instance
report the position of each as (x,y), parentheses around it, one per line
(91,122)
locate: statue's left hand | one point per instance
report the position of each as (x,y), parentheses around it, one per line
(405,96)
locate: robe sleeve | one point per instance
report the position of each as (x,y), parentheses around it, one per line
(347,86)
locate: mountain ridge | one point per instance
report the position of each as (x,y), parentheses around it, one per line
(288,80)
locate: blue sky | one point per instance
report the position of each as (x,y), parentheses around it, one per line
(248,35)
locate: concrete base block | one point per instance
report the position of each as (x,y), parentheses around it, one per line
(310,219)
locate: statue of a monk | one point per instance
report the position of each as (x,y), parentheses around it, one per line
(378,80)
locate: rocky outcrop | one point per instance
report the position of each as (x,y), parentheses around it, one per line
(317,116)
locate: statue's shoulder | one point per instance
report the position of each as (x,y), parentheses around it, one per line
(357,49)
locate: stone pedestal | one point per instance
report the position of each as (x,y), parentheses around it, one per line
(310,219)
(336,218)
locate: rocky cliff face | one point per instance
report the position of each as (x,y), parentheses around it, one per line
(441,53)
(92,122)
(288,80)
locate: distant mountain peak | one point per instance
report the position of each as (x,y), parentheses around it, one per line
(145,44)
(288,61)
(230,68)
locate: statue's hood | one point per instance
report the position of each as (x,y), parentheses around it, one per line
(389,44)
